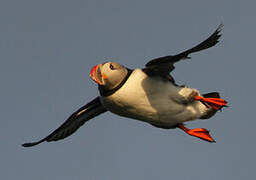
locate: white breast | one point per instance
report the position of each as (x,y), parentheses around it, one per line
(151,100)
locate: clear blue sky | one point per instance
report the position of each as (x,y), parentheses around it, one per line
(47,49)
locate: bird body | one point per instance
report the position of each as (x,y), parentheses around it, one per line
(149,94)
(153,100)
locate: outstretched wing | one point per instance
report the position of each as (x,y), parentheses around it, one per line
(77,119)
(164,65)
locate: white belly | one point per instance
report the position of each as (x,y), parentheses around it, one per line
(152,100)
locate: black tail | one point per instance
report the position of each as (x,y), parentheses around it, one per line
(212,95)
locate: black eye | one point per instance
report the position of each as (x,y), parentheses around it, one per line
(111,67)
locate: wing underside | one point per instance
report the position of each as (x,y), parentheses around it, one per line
(76,120)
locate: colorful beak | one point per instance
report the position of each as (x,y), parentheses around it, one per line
(96,75)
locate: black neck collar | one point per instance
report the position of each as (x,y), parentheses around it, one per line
(105,92)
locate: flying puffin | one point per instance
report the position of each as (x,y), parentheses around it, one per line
(149,94)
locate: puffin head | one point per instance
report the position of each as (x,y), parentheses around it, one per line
(109,74)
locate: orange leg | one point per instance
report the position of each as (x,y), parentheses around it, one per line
(198,132)
(215,103)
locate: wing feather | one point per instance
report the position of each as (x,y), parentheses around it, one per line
(164,65)
(76,120)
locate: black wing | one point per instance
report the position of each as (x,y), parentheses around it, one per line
(164,65)
(76,120)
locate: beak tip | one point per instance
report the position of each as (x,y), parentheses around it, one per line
(93,70)
(94,75)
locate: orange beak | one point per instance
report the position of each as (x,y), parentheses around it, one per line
(96,75)
(93,74)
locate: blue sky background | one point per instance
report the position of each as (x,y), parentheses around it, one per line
(47,49)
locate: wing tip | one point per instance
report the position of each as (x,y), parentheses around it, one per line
(28,145)
(32,144)
(218,30)
(220,27)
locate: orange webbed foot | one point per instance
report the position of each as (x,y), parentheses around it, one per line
(198,132)
(215,103)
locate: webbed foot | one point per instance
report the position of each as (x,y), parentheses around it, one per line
(197,132)
(215,103)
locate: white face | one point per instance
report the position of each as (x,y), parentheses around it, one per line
(109,74)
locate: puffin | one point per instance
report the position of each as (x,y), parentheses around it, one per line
(148,94)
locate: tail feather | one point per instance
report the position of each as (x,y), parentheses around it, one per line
(212,95)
